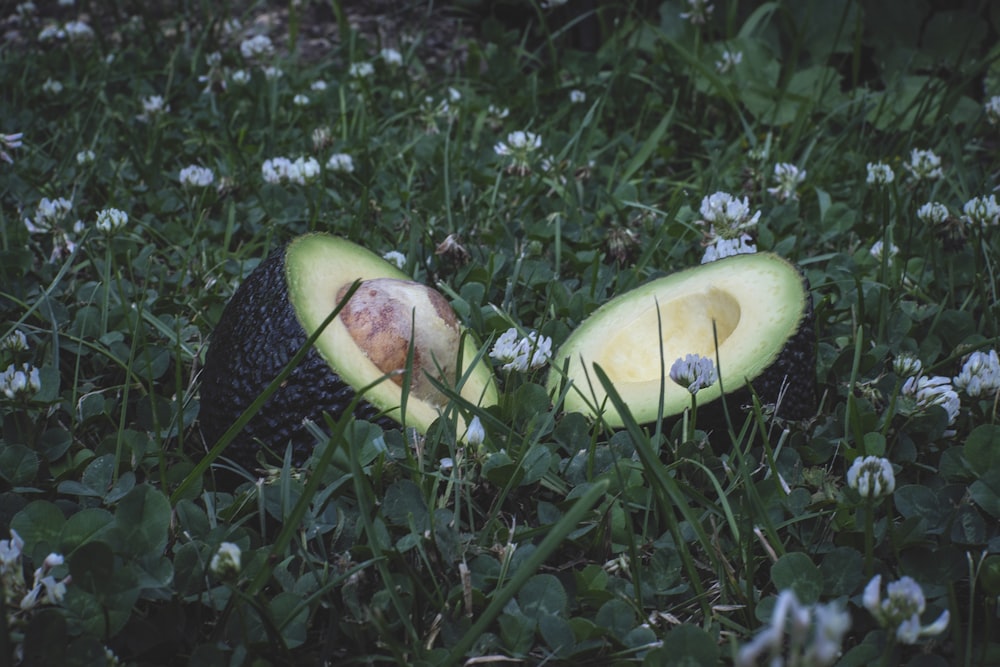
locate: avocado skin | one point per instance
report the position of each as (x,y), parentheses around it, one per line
(257,335)
(796,366)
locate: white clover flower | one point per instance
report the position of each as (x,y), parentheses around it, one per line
(49,214)
(980,375)
(152,106)
(395,258)
(275,170)
(341,162)
(318,86)
(519,147)
(9,141)
(321,137)
(519,141)
(454,94)
(24,9)
(258,46)
(787,635)
(933,213)
(301,100)
(240,76)
(498,113)
(577,96)
(111,219)
(85,157)
(933,390)
(693,372)
(10,552)
(213,59)
(475,434)
(272,73)
(727,215)
(196,176)
(78,31)
(52,86)
(20,382)
(698,11)
(982,210)
(722,247)
(520,354)
(871,477)
(900,612)
(304,170)
(924,165)
(906,365)
(231,26)
(992,109)
(361,70)
(391,57)
(878,248)
(16,341)
(446,464)
(54,590)
(788,177)
(226,561)
(51,33)
(728,61)
(505,347)
(879,173)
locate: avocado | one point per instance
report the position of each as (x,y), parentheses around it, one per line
(762,311)
(284,301)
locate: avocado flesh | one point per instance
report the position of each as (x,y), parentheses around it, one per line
(759,306)
(266,322)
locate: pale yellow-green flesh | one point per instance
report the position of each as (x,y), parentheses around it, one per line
(755,301)
(317,267)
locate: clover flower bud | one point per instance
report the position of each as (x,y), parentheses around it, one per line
(879,173)
(226,561)
(693,372)
(475,434)
(111,219)
(906,365)
(871,477)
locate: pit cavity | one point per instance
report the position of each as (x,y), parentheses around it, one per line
(685,327)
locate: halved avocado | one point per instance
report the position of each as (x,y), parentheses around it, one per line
(285,300)
(762,312)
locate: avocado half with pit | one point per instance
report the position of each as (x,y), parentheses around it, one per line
(285,300)
(762,314)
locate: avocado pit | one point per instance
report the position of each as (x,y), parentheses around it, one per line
(385,315)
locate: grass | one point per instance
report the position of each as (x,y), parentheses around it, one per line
(721,536)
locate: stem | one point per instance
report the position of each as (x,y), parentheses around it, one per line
(869,537)
(692,423)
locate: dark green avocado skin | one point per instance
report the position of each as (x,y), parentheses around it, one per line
(257,335)
(795,368)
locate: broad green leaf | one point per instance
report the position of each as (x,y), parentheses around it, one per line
(541,595)
(982,448)
(18,464)
(402,500)
(842,570)
(796,571)
(143,518)
(985,492)
(39,525)
(84,526)
(688,645)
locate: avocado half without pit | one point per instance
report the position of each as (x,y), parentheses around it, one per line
(285,300)
(763,322)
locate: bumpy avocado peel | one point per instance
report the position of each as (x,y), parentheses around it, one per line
(257,335)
